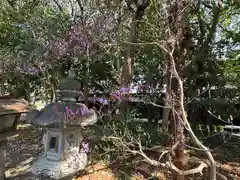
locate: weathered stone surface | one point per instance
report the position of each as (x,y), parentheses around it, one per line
(62,157)
(29,117)
(73,162)
(69,89)
(55,112)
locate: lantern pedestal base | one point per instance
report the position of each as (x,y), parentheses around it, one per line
(72,163)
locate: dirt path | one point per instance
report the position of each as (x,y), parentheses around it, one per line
(22,150)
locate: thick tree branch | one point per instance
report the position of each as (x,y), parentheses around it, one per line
(222,176)
(199,169)
(168,164)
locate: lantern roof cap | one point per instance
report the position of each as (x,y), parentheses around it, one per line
(56,113)
(69,89)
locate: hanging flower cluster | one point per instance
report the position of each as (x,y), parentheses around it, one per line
(85,147)
(100,100)
(125,92)
(28,69)
(120,94)
(72,116)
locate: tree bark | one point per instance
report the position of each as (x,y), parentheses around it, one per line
(53,87)
(2,89)
(179,41)
(127,70)
(128,59)
(176,42)
(86,78)
(177,130)
(167,108)
(132,38)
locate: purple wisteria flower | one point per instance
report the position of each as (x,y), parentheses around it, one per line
(70,115)
(102,101)
(78,112)
(82,111)
(115,95)
(85,147)
(125,90)
(32,70)
(67,110)
(28,69)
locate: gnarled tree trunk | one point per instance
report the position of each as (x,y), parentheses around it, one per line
(176,42)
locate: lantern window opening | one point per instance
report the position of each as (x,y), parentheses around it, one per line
(54,143)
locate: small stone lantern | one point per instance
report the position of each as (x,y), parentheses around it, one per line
(10,111)
(63,120)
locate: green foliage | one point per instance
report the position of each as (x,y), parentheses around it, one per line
(29,28)
(113,136)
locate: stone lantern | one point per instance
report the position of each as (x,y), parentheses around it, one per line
(63,120)
(10,111)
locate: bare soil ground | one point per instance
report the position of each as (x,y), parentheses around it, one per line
(23,149)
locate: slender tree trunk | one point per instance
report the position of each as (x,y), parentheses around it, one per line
(34,96)
(166,112)
(2,89)
(126,76)
(2,81)
(53,87)
(45,93)
(167,109)
(86,93)
(86,79)
(128,59)
(127,71)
